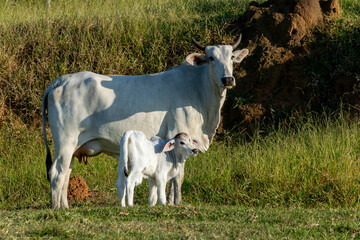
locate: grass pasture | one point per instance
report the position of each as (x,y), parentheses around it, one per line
(182,222)
(314,164)
(296,179)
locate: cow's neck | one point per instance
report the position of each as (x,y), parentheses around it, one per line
(213,99)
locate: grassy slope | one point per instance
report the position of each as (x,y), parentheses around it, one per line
(112,37)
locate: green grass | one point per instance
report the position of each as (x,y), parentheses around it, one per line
(309,162)
(350,9)
(182,222)
(312,164)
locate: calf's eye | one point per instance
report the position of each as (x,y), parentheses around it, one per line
(182,143)
(211,58)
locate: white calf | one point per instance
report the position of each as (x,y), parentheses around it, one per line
(157,160)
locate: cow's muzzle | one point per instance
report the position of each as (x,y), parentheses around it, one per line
(228,82)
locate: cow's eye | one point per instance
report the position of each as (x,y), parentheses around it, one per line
(211,58)
(182,143)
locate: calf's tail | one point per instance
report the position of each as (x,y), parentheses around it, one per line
(124,152)
(48,153)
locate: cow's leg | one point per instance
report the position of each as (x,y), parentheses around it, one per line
(64,200)
(59,173)
(174,194)
(153,196)
(121,185)
(161,185)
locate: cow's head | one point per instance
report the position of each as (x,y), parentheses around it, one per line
(220,60)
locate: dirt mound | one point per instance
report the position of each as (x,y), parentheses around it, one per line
(272,75)
(77,189)
(248,113)
(283,22)
(286,22)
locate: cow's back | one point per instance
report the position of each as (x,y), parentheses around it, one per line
(95,106)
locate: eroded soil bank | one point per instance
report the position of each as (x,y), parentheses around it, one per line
(290,66)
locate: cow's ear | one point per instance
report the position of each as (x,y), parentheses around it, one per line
(196,59)
(169,145)
(239,55)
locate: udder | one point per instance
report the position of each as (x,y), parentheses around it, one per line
(89,149)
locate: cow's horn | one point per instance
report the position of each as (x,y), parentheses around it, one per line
(198,45)
(237,42)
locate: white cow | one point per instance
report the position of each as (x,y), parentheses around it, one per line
(88,113)
(156,159)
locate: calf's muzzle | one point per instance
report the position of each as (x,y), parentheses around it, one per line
(195,151)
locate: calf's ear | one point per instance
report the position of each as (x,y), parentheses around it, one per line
(196,59)
(239,55)
(169,145)
(195,142)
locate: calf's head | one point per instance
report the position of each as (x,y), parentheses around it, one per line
(220,60)
(183,146)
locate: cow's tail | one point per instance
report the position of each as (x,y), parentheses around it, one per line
(48,153)
(124,152)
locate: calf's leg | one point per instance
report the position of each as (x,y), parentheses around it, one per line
(121,185)
(134,179)
(161,185)
(174,194)
(153,196)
